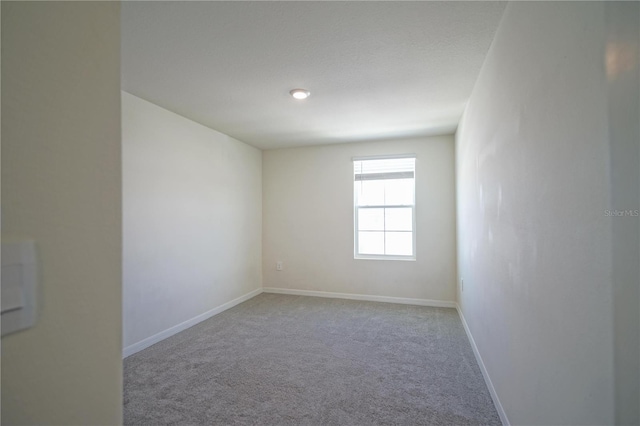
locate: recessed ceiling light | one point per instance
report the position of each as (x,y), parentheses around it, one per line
(300,93)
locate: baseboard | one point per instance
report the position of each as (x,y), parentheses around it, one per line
(367,297)
(485,373)
(143,344)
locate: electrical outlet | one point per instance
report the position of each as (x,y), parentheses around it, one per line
(279,265)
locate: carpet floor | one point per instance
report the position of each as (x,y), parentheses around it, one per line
(294,360)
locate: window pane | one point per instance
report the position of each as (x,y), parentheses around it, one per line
(399,191)
(371,193)
(400,219)
(399,243)
(371,219)
(371,242)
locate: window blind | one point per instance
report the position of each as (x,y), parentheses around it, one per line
(388,168)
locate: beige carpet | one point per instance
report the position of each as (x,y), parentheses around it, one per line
(293,360)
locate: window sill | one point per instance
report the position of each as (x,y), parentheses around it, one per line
(374,257)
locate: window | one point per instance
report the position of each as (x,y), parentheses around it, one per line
(384,213)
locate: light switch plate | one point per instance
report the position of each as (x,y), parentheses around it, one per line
(12,289)
(19,285)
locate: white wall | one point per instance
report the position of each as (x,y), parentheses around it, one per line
(192,217)
(308,222)
(61,176)
(623,96)
(534,244)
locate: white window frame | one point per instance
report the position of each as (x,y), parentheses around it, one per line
(356,254)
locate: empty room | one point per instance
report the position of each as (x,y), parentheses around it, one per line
(320,213)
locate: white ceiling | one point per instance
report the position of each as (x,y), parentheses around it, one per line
(376,70)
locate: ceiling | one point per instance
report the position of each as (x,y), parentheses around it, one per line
(376,70)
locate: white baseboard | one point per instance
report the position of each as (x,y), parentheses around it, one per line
(145,343)
(485,373)
(367,297)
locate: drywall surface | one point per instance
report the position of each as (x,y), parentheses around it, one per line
(61,186)
(192,216)
(623,95)
(534,242)
(308,221)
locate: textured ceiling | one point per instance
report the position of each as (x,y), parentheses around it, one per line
(376,70)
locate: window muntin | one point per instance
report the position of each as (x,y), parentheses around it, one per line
(384,213)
